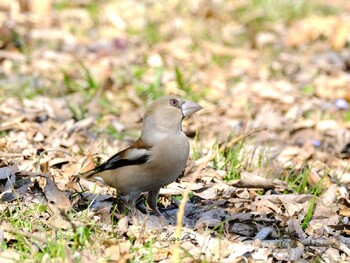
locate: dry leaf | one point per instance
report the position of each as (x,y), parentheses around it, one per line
(55,196)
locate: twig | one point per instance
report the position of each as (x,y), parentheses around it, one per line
(280,243)
(345,249)
(310,241)
(22,233)
(12,155)
(181,212)
(263,233)
(292,243)
(201,165)
(32,174)
(291,254)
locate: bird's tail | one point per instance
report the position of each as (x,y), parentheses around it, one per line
(85,175)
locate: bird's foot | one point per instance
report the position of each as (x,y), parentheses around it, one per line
(157,212)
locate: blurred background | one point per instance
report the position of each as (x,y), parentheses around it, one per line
(258,63)
(279,66)
(273,77)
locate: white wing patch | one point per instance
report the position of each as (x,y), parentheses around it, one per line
(134,154)
(99,179)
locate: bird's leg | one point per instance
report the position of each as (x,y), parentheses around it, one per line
(131,201)
(140,205)
(152,201)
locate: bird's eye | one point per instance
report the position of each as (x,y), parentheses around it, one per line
(174,102)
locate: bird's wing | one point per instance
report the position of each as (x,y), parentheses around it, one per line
(138,153)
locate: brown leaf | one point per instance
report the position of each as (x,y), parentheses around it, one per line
(208,194)
(89,164)
(340,35)
(55,196)
(9,256)
(211,218)
(344,212)
(6,172)
(119,252)
(254,181)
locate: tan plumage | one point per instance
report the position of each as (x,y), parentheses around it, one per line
(154,160)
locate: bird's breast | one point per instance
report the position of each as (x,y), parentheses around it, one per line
(168,160)
(172,153)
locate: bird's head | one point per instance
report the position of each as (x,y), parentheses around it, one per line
(166,114)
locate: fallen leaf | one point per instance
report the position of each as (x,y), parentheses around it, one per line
(55,196)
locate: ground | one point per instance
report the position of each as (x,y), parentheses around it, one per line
(268,175)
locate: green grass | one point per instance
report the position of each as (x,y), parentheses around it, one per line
(34,238)
(259,158)
(231,161)
(151,33)
(234,159)
(310,212)
(24,219)
(308,90)
(111,131)
(297,182)
(61,5)
(347,116)
(154,89)
(260,15)
(94,10)
(222,60)
(28,88)
(71,85)
(185,85)
(283,9)
(138,72)
(87,88)
(196,148)
(19,41)
(268,11)
(92,7)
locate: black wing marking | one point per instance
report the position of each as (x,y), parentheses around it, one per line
(346,150)
(116,161)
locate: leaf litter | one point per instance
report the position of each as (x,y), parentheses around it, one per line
(268,177)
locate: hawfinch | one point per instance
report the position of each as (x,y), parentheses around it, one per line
(154,160)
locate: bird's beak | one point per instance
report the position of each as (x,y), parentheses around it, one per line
(189,107)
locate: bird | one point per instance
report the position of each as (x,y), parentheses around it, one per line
(157,158)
